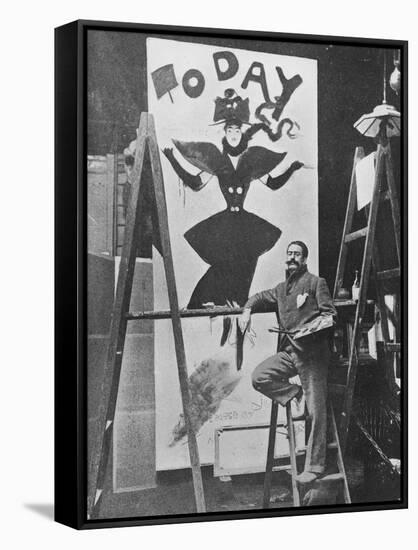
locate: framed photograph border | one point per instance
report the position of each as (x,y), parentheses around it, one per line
(71,272)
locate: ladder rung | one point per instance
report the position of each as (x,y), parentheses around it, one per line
(331,478)
(300,452)
(393,347)
(389,273)
(356,235)
(281,468)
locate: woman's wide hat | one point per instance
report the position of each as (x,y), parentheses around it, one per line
(231,109)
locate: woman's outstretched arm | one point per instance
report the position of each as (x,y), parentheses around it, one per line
(279,181)
(193,181)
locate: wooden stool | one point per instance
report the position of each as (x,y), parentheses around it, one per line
(335,444)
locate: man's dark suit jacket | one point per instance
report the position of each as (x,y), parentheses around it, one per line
(296,301)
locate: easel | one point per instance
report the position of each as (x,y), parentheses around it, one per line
(146,140)
(371,259)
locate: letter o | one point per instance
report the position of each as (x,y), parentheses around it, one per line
(193,91)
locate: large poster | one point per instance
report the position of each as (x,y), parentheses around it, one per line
(237,130)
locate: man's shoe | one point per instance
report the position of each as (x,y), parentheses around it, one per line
(307,477)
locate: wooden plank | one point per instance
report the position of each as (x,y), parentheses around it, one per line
(115,201)
(283,468)
(212,312)
(359,234)
(364,279)
(109,390)
(110,195)
(351,205)
(166,314)
(389,274)
(96,164)
(292,453)
(162,215)
(393,347)
(270,454)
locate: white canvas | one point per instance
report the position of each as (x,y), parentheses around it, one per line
(293,209)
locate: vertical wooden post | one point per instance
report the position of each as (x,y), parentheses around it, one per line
(292,453)
(175,314)
(111,205)
(270,454)
(393,196)
(342,258)
(365,272)
(340,460)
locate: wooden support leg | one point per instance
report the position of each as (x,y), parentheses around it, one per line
(292,453)
(270,454)
(365,271)
(393,196)
(175,313)
(352,197)
(340,461)
(106,411)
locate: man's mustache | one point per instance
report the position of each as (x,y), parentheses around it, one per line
(290,262)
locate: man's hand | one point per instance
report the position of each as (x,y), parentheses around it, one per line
(314,325)
(244,319)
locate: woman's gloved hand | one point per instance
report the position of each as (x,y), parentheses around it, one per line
(168,152)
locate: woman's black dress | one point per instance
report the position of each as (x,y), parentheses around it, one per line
(232,240)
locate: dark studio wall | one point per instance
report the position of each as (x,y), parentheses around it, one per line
(349,85)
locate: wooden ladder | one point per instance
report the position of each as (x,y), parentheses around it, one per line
(370,261)
(146,140)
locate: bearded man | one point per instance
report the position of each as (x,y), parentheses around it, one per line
(301,302)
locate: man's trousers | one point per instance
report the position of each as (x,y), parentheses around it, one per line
(271,377)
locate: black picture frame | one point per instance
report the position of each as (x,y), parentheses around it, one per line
(71,268)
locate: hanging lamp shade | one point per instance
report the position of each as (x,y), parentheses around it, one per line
(370,124)
(383,120)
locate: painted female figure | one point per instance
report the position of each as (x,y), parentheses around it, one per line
(232,240)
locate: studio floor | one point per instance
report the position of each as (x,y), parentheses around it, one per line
(173,494)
